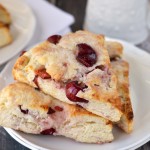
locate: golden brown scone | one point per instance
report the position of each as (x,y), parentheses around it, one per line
(4,16)
(75,69)
(121,69)
(5,20)
(5,36)
(26,109)
(115,49)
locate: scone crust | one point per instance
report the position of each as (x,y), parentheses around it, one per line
(121,69)
(115,49)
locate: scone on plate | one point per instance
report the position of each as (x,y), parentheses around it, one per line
(27,109)
(5,21)
(5,35)
(121,70)
(75,69)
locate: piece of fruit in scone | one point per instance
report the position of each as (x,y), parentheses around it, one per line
(27,109)
(121,69)
(75,69)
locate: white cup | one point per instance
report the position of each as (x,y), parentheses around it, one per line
(123,19)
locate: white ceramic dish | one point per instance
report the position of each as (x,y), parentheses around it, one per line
(22,28)
(140,86)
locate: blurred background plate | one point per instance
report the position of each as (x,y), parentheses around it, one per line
(22,28)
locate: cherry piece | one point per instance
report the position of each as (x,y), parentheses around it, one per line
(37,89)
(42,73)
(58,108)
(22,52)
(72,88)
(50,111)
(79,106)
(54,39)
(115,58)
(35,80)
(130,115)
(101,67)
(86,55)
(23,111)
(48,131)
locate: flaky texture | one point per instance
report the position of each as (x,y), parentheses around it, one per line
(4,15)
(26,109)
(59,61)
(115,49)
(121,69)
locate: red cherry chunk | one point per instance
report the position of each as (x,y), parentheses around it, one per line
(48,131)
(101,67)
(50,111)
(86,55)
(115,58)
(58,108)
(42,73)
(72,88)
(54,39)
(22,52)
(35,80)
(23,111)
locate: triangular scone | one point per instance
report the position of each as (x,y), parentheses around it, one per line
(121,70)
(26,109)
(75,69)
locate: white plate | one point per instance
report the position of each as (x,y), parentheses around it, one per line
(140,87)
(22,28)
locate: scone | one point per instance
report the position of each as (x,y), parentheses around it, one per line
(4,16)
(75,69)
(115,49)
(5,36)
(121,69)
(26,109)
